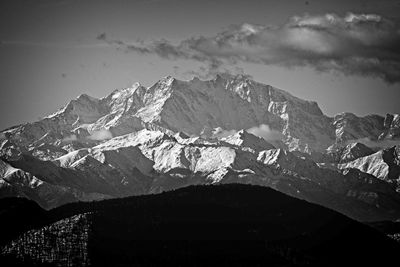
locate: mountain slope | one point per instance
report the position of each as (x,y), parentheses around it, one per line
(384,164)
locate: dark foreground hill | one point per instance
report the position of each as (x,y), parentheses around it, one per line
(235,225)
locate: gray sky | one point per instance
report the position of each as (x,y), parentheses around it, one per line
(53,50)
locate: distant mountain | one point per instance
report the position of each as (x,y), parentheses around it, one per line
(140,140)
(199,225)
(349,152)
(384,164)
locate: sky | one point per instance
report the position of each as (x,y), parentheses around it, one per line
(343,54)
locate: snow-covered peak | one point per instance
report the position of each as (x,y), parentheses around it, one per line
(350,128)
(81,111)
(392,127)
(167,80)
(384,164)
(349,152)
(86,97)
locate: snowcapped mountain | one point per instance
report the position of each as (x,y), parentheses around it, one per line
(140,140)
(384,164)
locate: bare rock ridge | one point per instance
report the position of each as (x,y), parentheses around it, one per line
(141,140)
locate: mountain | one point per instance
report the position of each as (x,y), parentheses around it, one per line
(350,152)
(198,225)
(384,164)
(143,140)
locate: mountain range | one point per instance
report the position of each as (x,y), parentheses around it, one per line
(231,129)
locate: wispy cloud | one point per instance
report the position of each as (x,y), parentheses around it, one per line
(355,44)
(52,44)
(70,138)
(264,131)
(102,36)
(100,135)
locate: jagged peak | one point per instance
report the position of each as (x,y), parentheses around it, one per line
(345,115)
(245,134)
(167,80)
(81,99)
(125,90)
(181,135)
(87,97)
(391,120)
(241,84)
(241,134)
(136,85)
(357,145)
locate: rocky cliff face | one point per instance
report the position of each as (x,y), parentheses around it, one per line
(175,133)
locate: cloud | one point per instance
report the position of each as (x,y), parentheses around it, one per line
(69,45)
(95,135)
(355,44)
(221,133)
(264,131)
(100,135)
(70,138)
(102,36)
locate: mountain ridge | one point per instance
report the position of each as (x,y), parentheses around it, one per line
(153,104)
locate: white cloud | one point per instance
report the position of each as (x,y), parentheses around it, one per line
(100,135)
(221,133)
(70,138)
(264,131)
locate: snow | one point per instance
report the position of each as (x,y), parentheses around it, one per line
(6,169)
(373,164)
(66,160)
